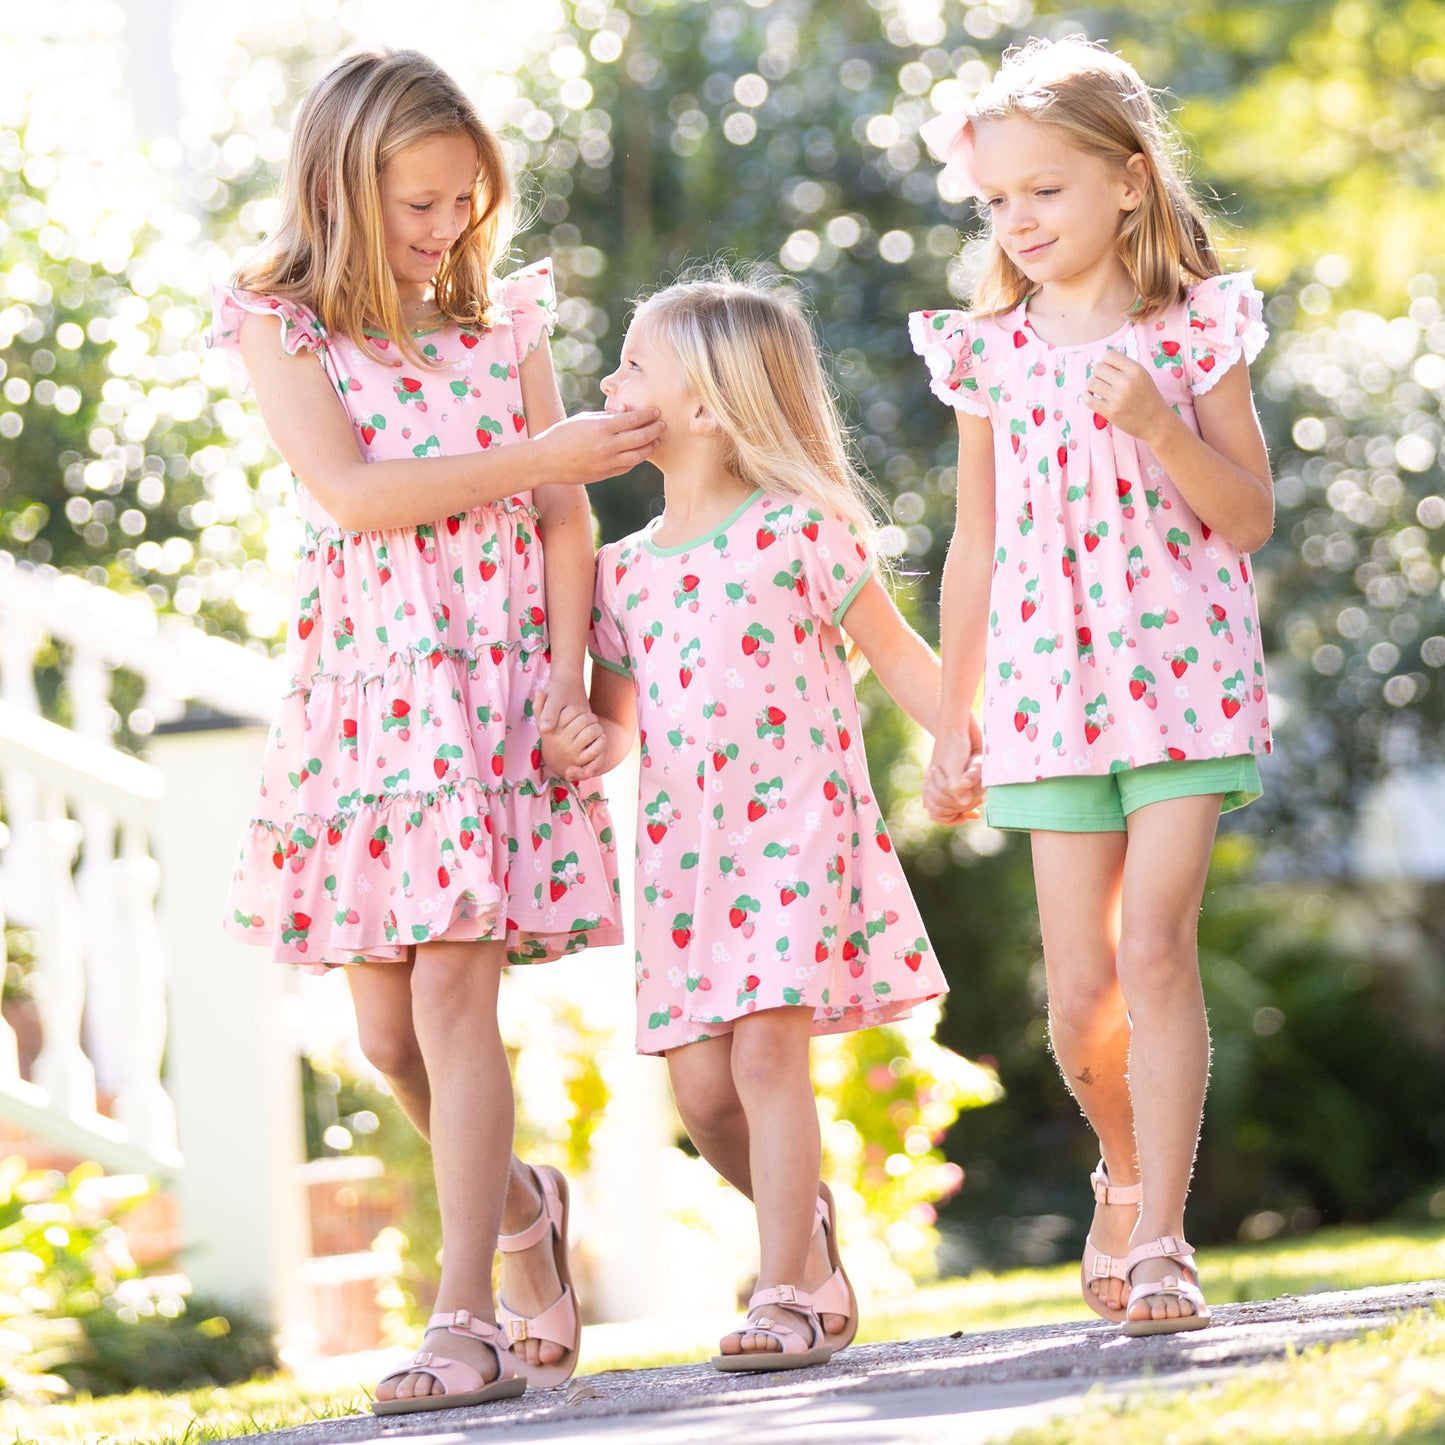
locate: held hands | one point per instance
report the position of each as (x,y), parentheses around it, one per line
(952,786)
(1125,395)
(572,738)
(594,445)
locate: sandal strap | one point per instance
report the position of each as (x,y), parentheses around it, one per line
(1173,1284)
(1106,1193)
(783,1294)
(1104,1266)
(549,1216)
(557,1324)
(789,1337)
(1167,1246)
(441,1369)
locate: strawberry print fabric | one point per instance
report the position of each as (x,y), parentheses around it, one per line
(402,797)
(1121,631)
(765,874)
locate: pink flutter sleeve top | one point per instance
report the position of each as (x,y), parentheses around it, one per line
(1121,631)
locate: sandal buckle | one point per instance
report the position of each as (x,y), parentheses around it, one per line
(516,1330)
(785,1294)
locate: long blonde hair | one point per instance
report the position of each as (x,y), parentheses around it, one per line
(328,249)
(1106,109)
(749,356)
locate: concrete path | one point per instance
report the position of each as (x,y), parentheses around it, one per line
(966,1389)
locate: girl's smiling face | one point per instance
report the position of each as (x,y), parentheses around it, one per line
(426,203)
(1055,208)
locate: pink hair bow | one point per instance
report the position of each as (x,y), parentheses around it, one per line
(950,138)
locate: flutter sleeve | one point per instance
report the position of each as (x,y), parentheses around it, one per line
(952,345)
(1226,321)
(300,328)
(604,638)
(531,303)
(827,561)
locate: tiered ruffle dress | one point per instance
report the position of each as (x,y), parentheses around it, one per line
(403,798)
(1122,631)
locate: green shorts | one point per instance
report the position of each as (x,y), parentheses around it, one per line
(1100,802)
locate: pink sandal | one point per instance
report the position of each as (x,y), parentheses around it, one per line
(794,1352)
(558,1324)
(835,1295)
(1184,1287)
(1096,1264)
(462,1384)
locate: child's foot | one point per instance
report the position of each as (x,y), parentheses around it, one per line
(1164,1293)
(536,1295)
(782,1332)
(461,1363)
(1116,1212)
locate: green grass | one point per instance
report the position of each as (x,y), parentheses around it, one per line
(1405,1363)
(1387,1385)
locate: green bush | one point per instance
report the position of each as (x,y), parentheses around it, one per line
(208,1343)
(75,1312)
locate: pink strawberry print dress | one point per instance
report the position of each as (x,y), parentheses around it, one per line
(765,875)
(402,796)
(1122,632)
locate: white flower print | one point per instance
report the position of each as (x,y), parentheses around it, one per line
(676,977)
(720,953)
(363,884)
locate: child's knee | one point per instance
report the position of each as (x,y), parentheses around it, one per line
(390,1047)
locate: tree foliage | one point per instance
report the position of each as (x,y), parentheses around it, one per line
(655,133)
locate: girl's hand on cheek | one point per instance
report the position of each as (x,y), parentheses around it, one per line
(595,445)
(1124,394)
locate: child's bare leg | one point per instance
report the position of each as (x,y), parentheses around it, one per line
(382,996)
(1168,859)
(454,1009)
(1078,878)
(712,1113)
(770,1072)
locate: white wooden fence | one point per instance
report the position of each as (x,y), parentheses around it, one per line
(163,1044)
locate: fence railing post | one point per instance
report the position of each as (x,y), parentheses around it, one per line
(234,1071)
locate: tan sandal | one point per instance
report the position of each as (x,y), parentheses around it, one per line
(1097,1265)
(559,1323)
(462,1384)
(793,1352)
(1184,1287)
(835,1295)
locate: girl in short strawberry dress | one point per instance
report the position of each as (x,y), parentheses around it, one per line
(405,826)
(1112,480)
(770,904)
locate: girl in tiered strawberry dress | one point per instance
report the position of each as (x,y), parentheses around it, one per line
(406,827)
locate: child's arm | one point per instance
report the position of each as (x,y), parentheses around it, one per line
(963,625)
(909,669)
(565,522)
(615,704)
(901,660)
(313,434)
(1223,471)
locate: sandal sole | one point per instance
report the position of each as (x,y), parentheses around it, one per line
(765,1361)
(497,1390)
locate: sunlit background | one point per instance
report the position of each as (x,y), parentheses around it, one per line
(140,146)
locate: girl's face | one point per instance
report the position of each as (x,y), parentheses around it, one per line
(1055,207)
(649,374)
(426,203)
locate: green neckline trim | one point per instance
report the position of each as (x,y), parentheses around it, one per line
(706,536)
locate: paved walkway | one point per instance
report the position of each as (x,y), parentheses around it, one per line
(967,1389)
